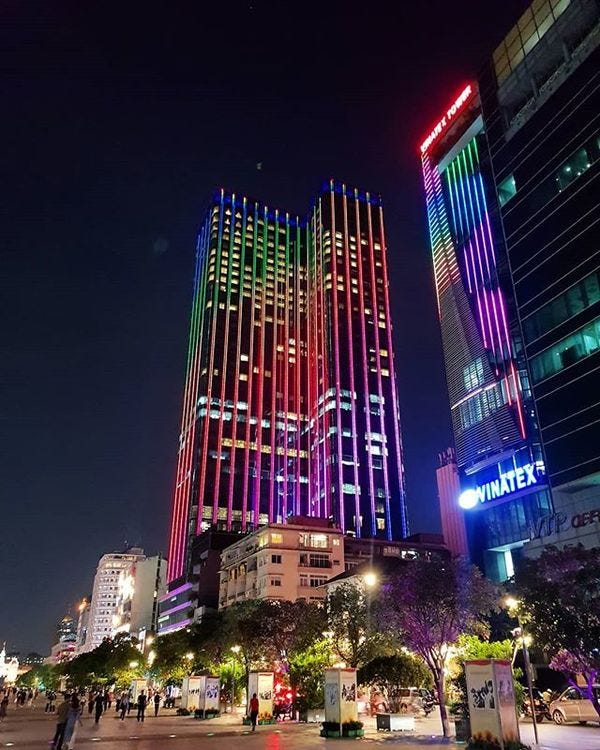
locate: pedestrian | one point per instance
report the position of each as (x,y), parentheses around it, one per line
(62,713)
(73,721)
(141,706)
(253,710)
(3,707)
(99,707)
(124,704)
(91,697)
(156,703)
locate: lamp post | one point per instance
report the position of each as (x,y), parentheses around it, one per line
(513,607)
(370,580)
(189,657)
(235,651)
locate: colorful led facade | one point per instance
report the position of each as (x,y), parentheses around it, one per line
(492,414)
(290,404)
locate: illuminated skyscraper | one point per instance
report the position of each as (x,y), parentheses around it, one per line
(498,451)
(290,404)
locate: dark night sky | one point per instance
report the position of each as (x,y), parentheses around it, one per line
(116,124)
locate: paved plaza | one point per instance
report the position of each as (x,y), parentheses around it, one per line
(30,727)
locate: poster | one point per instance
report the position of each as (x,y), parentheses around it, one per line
(332,695)
(261,683)
(211,694)
(491,698)
(341,695)
(506,700)
(191,689)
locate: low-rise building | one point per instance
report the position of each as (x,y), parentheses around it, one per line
(288,561)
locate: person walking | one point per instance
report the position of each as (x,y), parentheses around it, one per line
(124,704)
(99,707)
(3,707)
(62,713)
(253,710)
(156,703)
(141,706)
(73,721)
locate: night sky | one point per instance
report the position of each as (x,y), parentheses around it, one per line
(117,123)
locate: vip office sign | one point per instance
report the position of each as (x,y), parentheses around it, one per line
(508,482)
(559,522)
(491,699)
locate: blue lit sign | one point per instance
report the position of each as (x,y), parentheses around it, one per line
(508,482)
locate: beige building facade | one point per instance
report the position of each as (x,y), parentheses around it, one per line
(282,561)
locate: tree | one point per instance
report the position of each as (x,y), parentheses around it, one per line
(115,660)
(353,638)
(560,604)
(471,647)
(42,676)
(389,674)
(306,670)
(430,604)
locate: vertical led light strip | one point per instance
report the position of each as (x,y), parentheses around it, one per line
(445,265)
(233,470)
(252,412)
(362,264)
(469,205)
(214,315)
(334,327)
(181,495)
(349,334)
(393,387)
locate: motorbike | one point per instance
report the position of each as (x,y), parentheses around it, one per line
(541,707)
(428,704)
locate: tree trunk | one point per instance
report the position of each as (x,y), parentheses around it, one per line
(592,676)
(439,684)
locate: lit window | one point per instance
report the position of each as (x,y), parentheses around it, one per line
(507,190)
(276,538)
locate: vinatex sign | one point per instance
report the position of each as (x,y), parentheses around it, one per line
(519,478)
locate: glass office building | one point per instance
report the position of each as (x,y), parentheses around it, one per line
(501,468)
(541,103)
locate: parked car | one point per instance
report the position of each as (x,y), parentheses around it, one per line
(570,706)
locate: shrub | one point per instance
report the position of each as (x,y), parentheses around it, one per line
(487,741)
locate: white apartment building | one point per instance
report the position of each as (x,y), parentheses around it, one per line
(140,588)
(107,594)
(282,561)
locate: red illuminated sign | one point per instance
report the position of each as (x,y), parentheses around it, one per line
(453,110)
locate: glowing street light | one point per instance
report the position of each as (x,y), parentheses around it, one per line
(370,579)
(133,664)
(189,656)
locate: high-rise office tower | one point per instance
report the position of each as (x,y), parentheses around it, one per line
(541,102)
(498,452)
(290,404)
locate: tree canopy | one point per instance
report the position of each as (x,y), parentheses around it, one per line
(559,601)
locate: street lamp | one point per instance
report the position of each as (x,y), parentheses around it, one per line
(370,579)
(235,650)
(512,605)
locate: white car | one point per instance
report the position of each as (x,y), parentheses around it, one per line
(570,706)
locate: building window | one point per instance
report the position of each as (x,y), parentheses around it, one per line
(507,190)
(276,538)
(579,297)
(569,351)
(316,582)
(275,582)
(573,167)
(276,559)
(473,375)
(314,560)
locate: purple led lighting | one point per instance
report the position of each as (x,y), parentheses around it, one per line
(176,608)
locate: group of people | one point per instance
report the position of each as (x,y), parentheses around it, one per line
(19,696)
(68,713)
